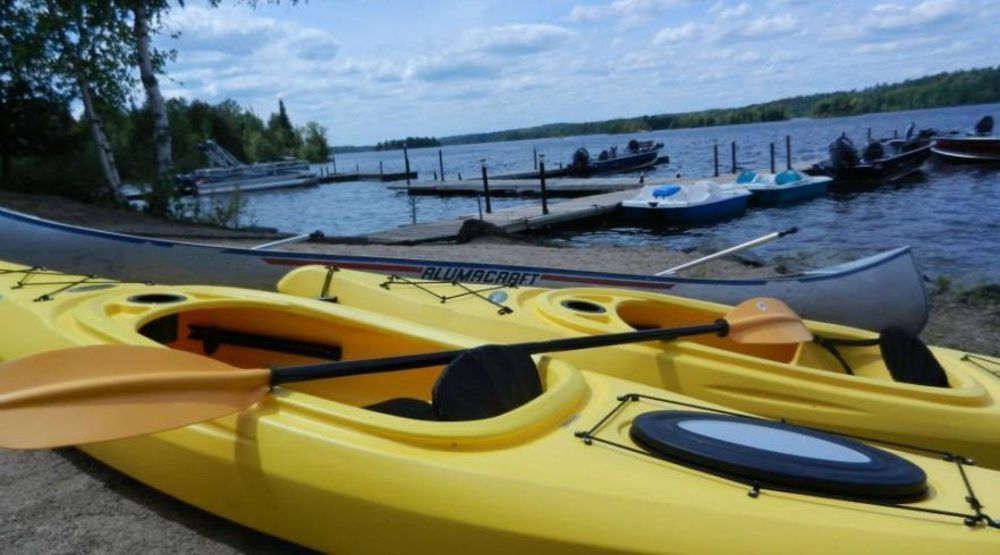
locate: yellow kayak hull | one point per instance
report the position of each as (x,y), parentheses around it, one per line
(312,465)
(802,383)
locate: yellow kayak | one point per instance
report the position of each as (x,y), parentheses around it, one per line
(847,388)
(387,463)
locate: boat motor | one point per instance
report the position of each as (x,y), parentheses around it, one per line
(581,159)
(873,151)
(842,153)
(984,126)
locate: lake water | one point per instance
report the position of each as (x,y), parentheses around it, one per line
(950,214)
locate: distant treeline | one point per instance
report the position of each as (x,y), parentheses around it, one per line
(409,142)
(976,86)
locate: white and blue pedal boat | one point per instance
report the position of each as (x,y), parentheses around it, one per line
(704,201)
(782,188)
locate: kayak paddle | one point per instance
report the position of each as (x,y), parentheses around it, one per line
(104,392)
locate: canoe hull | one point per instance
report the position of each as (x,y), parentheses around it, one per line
(854,294)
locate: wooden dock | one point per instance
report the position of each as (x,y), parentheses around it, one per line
(357,176)
(527,217)
(561,187)
(513,220)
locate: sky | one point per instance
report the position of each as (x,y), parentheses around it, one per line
(370,70)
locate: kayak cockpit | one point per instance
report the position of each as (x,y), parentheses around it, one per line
(471,388)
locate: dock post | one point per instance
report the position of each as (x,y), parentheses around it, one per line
(406,158)
(486,188)
(788,152)
(334,159)
(357,167)
(380,173)
(440,165)
(772,157)
(715,157)
(541,183)
(732,153)
(535,151)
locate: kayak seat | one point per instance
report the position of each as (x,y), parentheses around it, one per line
(907,358)
(481,383)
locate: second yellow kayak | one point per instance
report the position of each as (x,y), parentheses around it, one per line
(847,388)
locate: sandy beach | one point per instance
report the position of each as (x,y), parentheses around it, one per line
(64,502)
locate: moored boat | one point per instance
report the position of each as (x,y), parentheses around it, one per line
(782,188)
(704,201)
(855,293)
(874,165)
(981,146)
(336,465)
(637,156)
(887,386)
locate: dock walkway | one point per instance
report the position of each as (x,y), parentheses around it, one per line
(529,216)
(513,187)
(513,220)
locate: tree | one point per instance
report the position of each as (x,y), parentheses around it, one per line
(33,116)
(282,134)
(143,12)
(315,148)
(89,46)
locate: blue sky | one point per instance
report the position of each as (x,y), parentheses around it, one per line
(375,69)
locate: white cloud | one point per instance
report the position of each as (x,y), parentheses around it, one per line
(724,13)
(518,39)
(896,16)
(622,8)
(671,35)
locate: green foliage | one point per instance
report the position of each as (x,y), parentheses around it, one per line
(976,86)
(315,148)
(409,142)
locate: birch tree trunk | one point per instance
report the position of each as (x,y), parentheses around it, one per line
(161,123)
(105,153)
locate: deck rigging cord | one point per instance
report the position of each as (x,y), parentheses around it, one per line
(74,280)
(976,517)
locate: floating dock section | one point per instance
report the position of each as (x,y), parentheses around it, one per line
(561,187)
(513,220)
(344,177)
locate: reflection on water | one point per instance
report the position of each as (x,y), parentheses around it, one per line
(950,215)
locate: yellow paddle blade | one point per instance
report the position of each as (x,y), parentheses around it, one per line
(100,393)
(766,321)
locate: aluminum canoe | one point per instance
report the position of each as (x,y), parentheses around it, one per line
(873,293)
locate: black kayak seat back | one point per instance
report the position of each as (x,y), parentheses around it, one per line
(481,383)
(907,358)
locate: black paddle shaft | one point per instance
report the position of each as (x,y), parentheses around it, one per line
(408,362)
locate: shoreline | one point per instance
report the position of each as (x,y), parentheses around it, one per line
(64,501)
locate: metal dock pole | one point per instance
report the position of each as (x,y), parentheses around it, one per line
(541,177)
(486,187)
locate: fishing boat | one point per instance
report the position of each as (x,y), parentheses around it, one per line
(348,431)
(704,201)
(980,146)
(782,188)
(878,163)
(874,293)
(638,155)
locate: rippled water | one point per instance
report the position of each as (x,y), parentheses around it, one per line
(950,214)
